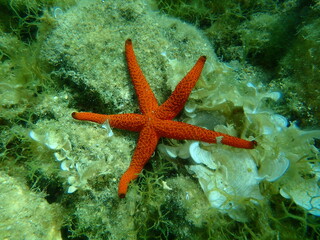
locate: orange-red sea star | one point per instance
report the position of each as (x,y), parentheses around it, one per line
(156,121)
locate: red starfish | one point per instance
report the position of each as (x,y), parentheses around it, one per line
(156,121)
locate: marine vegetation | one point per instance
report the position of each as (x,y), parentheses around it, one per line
(59,177)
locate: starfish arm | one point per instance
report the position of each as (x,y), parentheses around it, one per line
(146,98)
(181,131)
(127,121)
(146,145)
(174,104)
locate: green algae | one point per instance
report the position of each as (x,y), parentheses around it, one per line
(39,220)
(51,66)
(271,35)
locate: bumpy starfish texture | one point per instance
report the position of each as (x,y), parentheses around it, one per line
(156,121)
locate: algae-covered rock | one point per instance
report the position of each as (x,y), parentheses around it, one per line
(25,214)
(87,50)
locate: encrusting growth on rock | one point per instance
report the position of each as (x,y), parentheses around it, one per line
(156,121)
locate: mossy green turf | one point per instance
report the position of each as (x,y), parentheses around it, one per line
(31,99)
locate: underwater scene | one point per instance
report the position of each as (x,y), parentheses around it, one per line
(159,119)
